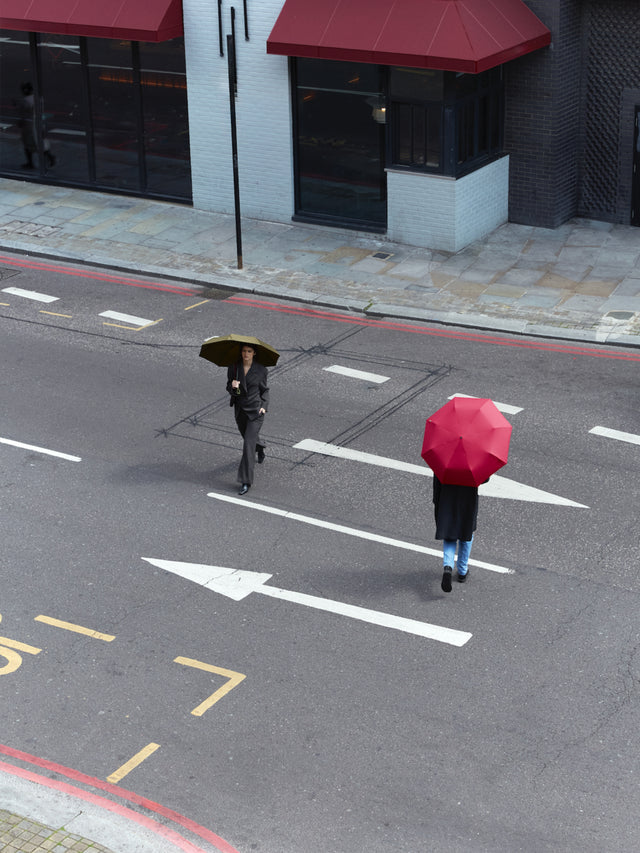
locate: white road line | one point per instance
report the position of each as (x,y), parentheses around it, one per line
(614,433)
(351,531)
(497,487)
(125,318)
(357,374)
(505,408)
(30,294)
(40,449)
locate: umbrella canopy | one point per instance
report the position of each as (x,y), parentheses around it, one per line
(224,350)
(466,441)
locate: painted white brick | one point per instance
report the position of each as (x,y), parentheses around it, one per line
(423,210)
(263,112)
(437,212)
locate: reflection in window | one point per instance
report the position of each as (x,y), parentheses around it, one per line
(443,121)
(112,113)
(339,143)
(166,122)
(416,135)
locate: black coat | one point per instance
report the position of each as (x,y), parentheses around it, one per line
(456,510)
(254,392)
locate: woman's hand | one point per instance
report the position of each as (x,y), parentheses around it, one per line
(262,412)
(235,383)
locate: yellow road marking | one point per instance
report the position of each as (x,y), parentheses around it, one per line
(13,661)
(21,647)
(133,328)
(132,763)
(234,679)
(6,304)
(79,629)
(53,314)
(204,302)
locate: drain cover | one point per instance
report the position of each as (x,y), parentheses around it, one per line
(382,256)
(620,315)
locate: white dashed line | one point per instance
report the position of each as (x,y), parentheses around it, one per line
(352,531)
(125,318)
(40,449)
(614,433)
(30,294)
(357,374)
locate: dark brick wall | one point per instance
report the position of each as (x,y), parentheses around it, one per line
(611,84)
(569,113)
(542,128)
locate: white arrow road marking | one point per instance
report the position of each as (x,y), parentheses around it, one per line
(614,433)
(497,487)
(125,318)
(238,584)
(30,294)
(357,374)
(40,449)
(502,407)
(351,531)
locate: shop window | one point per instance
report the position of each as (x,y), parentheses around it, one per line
(339,143)
(417,135)
(444,122)
(97,113)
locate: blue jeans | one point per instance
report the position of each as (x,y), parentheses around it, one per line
(449,553)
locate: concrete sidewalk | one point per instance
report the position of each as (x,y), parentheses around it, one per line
(580,281)
(49,813)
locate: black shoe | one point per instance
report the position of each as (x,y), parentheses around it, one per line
(463,578)
(260,455)
(446,579)
(244,489)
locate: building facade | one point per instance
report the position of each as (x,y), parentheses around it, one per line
(344,115)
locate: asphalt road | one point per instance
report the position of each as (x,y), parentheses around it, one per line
(315,731)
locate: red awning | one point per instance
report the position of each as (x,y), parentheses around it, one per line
(447,35)
(135,20)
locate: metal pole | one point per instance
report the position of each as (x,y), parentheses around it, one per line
(234,145)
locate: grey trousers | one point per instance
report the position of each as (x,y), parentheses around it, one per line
(250,431)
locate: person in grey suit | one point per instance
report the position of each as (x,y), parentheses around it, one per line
(247,385)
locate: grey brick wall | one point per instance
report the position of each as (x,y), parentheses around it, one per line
(570,113)
(542,130)
(611,84)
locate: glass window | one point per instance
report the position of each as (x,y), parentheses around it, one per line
(443,121)
(64,116)
(478,119)
(17,138)
(415,84)
(166,123)
(110,113)
(114,113)
(339,142)
(416,135)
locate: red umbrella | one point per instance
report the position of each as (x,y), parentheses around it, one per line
(466,441)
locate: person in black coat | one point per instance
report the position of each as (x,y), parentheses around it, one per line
(247,385)
(456,513)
